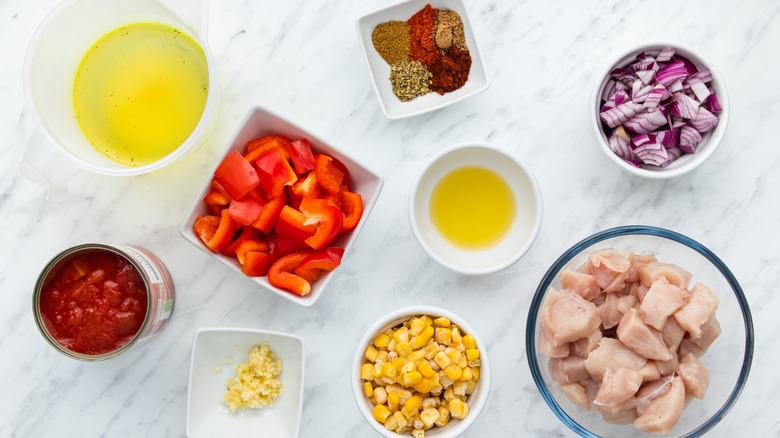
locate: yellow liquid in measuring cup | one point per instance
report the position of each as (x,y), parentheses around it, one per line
(473,207)
(140,92)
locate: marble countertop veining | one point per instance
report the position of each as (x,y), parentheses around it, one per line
(302,60)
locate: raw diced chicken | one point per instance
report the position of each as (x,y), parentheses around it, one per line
(673,274)
(566,317)
(546,347)
(584,346)
(672,333)
(709,333)
(698,311)
(584,285)
(666,367)
(568,370)
(641,291)
(664,411)
(695,375)
(651,390)
(639,261)
(577,394)
(650,371)
(641,338)
(625,303)
(617,386)
(611,268)
(625,416)
(612,353)
(608,312)
(662,300)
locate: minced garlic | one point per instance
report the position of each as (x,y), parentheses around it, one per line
(255,384)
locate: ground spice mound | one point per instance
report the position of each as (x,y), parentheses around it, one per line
(391,41)
(449,30)
(423,47)
(409,79)
(451,71)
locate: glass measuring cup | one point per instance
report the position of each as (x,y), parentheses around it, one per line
(58,148)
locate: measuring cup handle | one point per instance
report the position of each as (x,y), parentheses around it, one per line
(44,164)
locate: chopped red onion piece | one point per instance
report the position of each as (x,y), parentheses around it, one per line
(704,120)
(641,139)
(704,74)
(690,67)
(609,89)
(674,153)
(620,114)
(675,86)
(689,138)
(652,153)
(699,88)
(655,96)
(669,138)
(665,55)
(646,122)
(670,73)
(620,143)
(712,104)
(684,106)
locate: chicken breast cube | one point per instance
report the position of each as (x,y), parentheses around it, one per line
(577,394)
(617,386)
(709,333)
(672,273)
(650,371)
(568,370)
(664,411)
(608,311)
(611,268)
(612,353)
(546,347)
(566,317)
(641,338)
(584,346)
(695,375)
(672,333)
(661,300)
(698,311)
(651,390)
(625,416)
(584,285)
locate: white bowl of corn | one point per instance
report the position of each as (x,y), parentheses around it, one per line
(420,371)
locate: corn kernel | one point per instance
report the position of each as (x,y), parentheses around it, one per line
(417,422)
(381,413)
(442,360)
(391,345)
(381,340)
(399,362)
(456,336)
(380,395)
(391,422)
(416,356)
(467,374)
(369,389)
(367,371)
(443,335)
(459,387)
(418,433)
(429,416)
(444,417)
(393,399)
(417,326)
(391,355)
(470,386)
(420,340)
(431,402)
(449,394)
(424,386)
(427,319)
(400,419)
(458,409)
(472,354)
(401,335)
(430,350)
(469,342)
(425,369)
(475,372)
(441,322)
(453,371)
(409,367)
(411,406)
(461,361)
(403,348)
(444,379)
(452,353)
(388,370)
(377,370)
(381,356)
(410,379)
(371,353)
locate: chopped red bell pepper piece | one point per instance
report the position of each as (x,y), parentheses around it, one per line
(216,185)
(281,273)
(247,233)
(256,263)
(312,267)
(353,210)
(237,175)
(266,221)
(308,187)
(249,245)
(328,175)
(286,245)
(274,172)
(292,224)
(246,210)
(216,201)
(328,219)
(261,145)
(215,231)
(302,157)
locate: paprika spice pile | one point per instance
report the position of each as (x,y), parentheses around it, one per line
(431,56)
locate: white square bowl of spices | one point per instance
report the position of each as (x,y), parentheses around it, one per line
(421,56)
(243,381)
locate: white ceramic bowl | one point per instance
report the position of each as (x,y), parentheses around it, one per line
(208,416)
(259,122)
(476,401)
(380,70)
(687,162)
(527,222)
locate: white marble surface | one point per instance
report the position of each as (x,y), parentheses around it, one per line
(302,60)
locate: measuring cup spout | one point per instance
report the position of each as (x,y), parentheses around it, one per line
(45,164)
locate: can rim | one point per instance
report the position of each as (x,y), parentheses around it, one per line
(44,276)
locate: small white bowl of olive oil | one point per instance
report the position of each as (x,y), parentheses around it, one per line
(475,209)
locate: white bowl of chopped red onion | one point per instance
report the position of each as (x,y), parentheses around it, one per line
(660,110)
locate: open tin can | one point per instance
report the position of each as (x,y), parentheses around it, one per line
(155,278)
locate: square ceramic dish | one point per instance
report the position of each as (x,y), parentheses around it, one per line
(257,123)
(208,416)
(380,70)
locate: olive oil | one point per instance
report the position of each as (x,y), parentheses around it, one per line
(472,207)
(140,92)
